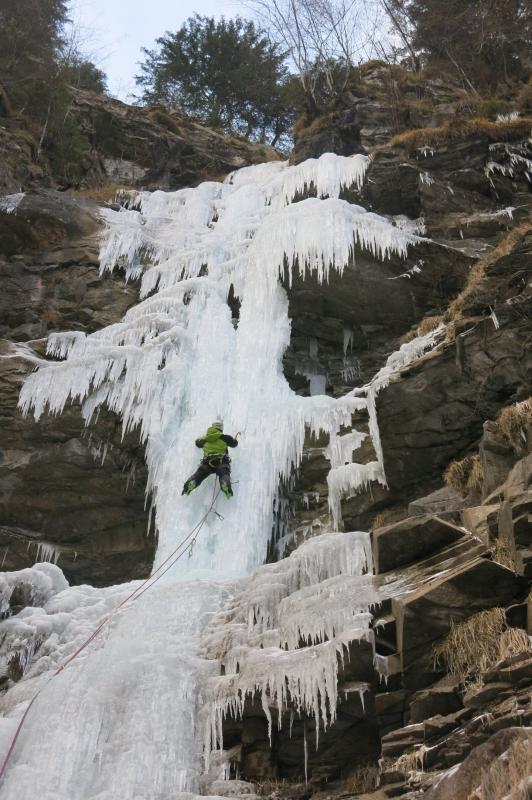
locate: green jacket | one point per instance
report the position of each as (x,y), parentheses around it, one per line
(215,443)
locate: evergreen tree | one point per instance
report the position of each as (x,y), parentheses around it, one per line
(37,71)
(484,41)
(227,73)
(30,37)
(83,74)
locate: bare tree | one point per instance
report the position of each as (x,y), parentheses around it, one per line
(325,38)
(397,13)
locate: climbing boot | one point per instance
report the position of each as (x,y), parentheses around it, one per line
(189,487)
(226,490)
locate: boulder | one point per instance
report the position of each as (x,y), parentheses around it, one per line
(441,700)
(444,501)
(424,614)
(496,457)
(461,781)
(480,698)
(482,521)
(404,739)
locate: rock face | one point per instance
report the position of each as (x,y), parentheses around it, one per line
(66,494)
(436,410)
(18,168)
(156,149)
(380,101)
(129,146)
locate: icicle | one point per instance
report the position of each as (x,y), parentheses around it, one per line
(48,552)
(347,480)
(305,750)
(348,340)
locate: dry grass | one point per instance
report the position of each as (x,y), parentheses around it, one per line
(429,324)
(472,290)
(524,98)
(389,516)
(508,131)
(504,553)
(104,194)
(508,775)
(408,336)
(167,121)
(363,779)
(410,762)
(513,423)
(465,476)
(305,127)
(473,647)
(426,325)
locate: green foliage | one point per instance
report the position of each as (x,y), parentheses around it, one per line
(30,37)
(37,70)
(107,132)
(67,147)
(227,73)
(83,74)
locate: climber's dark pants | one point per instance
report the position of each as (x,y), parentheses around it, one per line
(213,466)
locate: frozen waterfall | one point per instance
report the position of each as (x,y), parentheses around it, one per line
(121,721)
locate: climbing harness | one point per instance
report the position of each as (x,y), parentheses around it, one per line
(168,563)
(215,461)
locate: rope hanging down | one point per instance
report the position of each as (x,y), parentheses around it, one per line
(168,563)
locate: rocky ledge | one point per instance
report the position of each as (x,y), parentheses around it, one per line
(128,146)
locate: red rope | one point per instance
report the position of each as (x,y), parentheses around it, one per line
(133,596)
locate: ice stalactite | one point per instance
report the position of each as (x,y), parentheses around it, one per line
(47,552)
(327,176)
(287,628)
(122,721)
(347,477)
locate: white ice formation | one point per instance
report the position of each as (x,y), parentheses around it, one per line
(286,628)
(10,202)
(122,720)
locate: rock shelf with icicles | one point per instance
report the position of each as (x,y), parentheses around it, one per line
(285,630)
(175,362)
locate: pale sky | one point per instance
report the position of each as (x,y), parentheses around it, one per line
(114,31)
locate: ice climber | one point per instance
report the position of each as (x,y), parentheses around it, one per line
(215,460)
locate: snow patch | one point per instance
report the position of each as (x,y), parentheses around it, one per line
(10,202)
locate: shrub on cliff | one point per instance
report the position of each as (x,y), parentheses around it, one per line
(37,68)
(30,37)
(483,42)
(227,73)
